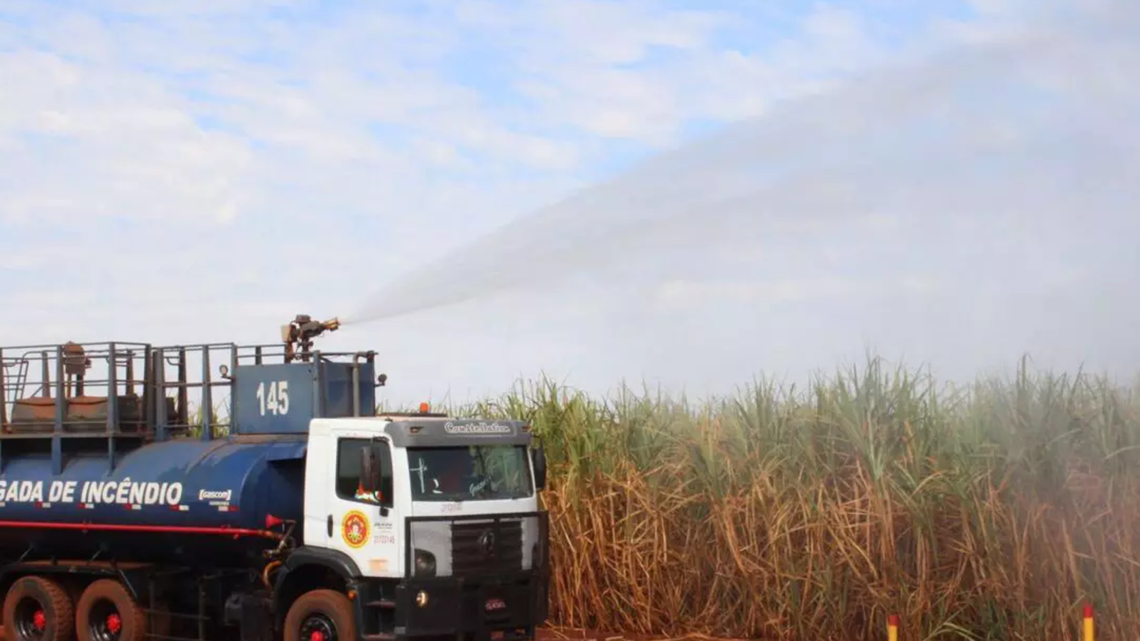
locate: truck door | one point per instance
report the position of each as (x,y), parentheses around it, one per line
(361,525)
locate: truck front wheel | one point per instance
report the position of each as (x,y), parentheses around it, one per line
(37,609)
(320,615)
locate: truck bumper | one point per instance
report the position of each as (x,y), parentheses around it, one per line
(473,608)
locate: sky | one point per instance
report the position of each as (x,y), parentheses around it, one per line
(185,172)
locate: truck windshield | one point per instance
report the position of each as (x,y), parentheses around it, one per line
(476,473)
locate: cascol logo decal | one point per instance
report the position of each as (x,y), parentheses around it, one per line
(354,529)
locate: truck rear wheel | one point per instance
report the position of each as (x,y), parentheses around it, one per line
(106,612)
(37,609)
(320,615)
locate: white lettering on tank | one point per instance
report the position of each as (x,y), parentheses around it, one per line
(214,495)
(152,494)
(124,492)
(138,491)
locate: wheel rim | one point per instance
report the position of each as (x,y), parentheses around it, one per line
(318,627)
(31,619)
(104,623)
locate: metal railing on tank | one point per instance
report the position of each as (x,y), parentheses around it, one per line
(188,407)
(69,397)
(193,408)
(74,390)
(120,390)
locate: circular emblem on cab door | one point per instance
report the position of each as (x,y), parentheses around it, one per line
(354,529)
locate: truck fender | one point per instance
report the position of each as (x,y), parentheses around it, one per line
(335,560)
(303,561)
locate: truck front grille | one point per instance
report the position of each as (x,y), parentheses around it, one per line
(486,547)
(479,545)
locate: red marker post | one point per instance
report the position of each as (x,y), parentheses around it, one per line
(893,627)
(1088,628)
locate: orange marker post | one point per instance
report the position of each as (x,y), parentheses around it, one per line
(893,628)
(1088,635)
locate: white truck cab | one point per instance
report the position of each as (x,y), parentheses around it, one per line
(442,514)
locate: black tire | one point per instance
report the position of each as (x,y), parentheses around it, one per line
(326,611)
(106,612)
(38,609)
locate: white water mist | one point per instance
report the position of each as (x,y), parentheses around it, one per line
(999,177)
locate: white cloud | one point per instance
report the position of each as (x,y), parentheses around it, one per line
(208,169)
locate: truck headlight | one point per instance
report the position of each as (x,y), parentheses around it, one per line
(425,563)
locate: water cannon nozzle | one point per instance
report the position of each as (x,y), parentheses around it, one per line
(298,335)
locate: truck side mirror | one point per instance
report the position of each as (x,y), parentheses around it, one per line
(369,469)
(539,468)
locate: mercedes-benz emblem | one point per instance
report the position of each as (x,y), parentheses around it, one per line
(487,542)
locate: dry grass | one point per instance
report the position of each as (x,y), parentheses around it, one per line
(987,513)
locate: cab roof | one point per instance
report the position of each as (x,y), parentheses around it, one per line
(437,431)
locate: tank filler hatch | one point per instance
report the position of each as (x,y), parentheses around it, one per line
(298,336)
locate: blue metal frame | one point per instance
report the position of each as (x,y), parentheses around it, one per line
(338,389)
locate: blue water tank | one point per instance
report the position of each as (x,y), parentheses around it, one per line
(99,463)
(185,494)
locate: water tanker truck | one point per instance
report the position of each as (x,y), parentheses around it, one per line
(126,515)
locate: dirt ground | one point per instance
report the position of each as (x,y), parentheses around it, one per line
(560,634)
(548,634)
(564,634)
